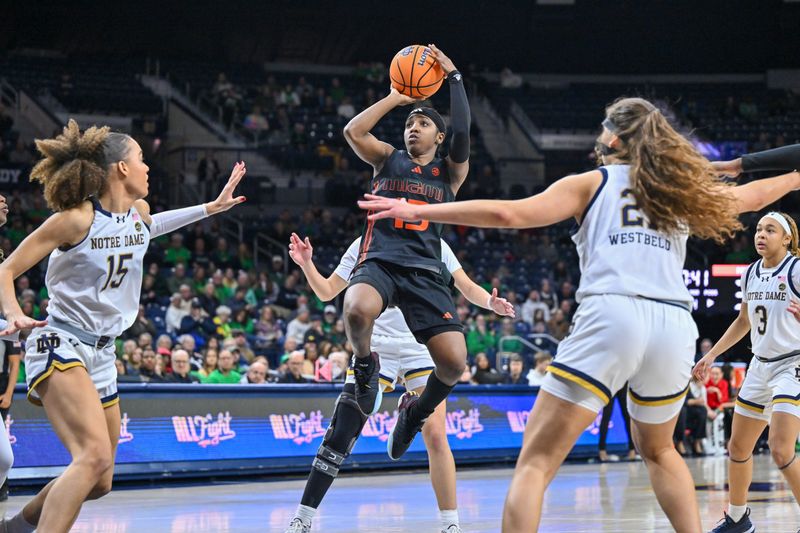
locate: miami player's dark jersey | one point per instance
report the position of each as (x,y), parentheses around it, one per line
(410,244)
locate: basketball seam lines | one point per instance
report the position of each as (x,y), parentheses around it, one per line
(413,64)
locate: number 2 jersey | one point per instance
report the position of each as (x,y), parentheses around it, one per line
(773,330)
(95,285)
(620,254)
(410,244)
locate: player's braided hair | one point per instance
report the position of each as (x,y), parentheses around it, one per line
(674,185)
(794,244)
(74,165)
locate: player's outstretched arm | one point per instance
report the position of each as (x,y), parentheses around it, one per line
(566,198)
(66,228)
(734,334)
(758,194)
(302,253)
(169,221)
(783,158)
(357,131)
(460,119)
(479,296)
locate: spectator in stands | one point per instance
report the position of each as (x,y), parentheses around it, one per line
(314,333)
(149,293)
(142,324)
(338,336)
(145,341)
(297,328)
(294,373)
(210,360)
(532,304)
(741,250)
(336,90)
(480,338)
(278,274)
(242,321)
(208,298)
(177,252)
(508,341)
(200,256)
(541,361)
(705,347)
(339,362)
(20,155)
(181,368)
(178,277)
(149,369)
(225,372)
(692,418)
(558,325)
(329,318)
(222,321)
(256,373)
(208,174)
(188,343)
(122,373)
(483,373)
(288,97)
(717,392)
(197,323)
(346,109)
(566,307)
(567,291)
(305,91)
(547,295)
(267,330)
(175,314)
(546,251)
(515,371)
(256,122)
(241,343)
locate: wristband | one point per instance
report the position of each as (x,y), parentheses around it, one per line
(454,77)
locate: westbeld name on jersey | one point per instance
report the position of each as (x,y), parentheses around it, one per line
(640,237)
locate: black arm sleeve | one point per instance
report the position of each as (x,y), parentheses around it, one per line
(783,158)
(459,119)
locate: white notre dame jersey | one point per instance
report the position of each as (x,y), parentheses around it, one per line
(391,323)
(768,292)
(620,254)
(95,285)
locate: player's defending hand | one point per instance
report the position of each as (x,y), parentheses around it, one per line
(20,322)
(700,370)
(729,169)
(400,98)
(388,208)
(226,200)
(794,308)
(501,306)
(445,62)
(300,251)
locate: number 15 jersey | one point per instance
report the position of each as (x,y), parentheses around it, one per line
(95,285)
(620,253)
(773,330)
(411,244)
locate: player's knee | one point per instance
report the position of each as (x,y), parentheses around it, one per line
(450,371)
(357,316)
(782,451)
(101,488)
(652,451)
(435,436)
(96,459)
(737,452)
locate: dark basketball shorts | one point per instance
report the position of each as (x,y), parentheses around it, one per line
(424,297)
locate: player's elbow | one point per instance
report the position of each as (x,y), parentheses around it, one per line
(505,217)
(351,131)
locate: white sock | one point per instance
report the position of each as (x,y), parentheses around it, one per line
(736,512)
(18,524)
(448,518)
(305,513)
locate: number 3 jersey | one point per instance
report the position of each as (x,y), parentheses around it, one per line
(620,254)
(95,285)
(414,244)
(773,330)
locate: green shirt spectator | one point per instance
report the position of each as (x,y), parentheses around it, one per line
(177,252)
(480,338)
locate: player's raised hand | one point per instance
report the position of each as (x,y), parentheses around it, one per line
(794,308)
(729,169)
(300,251)
(445,62)
(501,306)
(20,322)
(402,99)
(226,200)
(700,370)
(388,208)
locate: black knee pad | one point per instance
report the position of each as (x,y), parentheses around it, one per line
(341,436)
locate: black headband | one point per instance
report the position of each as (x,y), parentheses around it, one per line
(432,114)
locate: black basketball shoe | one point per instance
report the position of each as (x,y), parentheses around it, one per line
(368,389)
(727,525)
(405,429)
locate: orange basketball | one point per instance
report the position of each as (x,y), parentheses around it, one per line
(415,73)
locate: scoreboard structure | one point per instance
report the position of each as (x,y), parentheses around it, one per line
(716,290)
